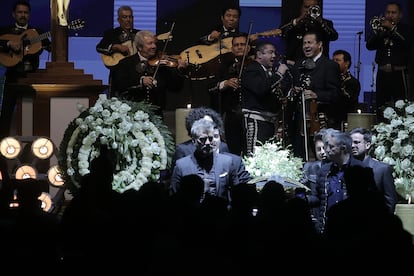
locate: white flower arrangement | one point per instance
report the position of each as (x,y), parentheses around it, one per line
(272,159)
(393,143)
(141,141)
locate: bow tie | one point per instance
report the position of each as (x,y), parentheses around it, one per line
(269,72)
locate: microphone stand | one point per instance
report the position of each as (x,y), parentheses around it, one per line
(372,86)
(359,54)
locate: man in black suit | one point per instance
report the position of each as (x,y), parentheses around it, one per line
(316,78)
(145,77)
(225,87)
(350,86)
(215,168)
(309,19)
(361,144)
(29,62)
(392,40)
(230,17)
(262,95)
(188,147)
(117,43)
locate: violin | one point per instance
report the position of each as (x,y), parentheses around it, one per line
(165,60)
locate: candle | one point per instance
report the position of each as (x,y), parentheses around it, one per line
(365,120)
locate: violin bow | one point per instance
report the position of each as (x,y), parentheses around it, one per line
(163,51)
(245,49)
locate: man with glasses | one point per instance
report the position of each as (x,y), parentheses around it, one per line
(216,169)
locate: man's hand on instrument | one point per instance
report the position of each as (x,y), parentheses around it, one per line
(124,49)
(14,45)
(149,82)
(283,100)
(182,63)
(309,94)
(295,91)
(233,83)
(214,35)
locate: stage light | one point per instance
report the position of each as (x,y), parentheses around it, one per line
(42,147)
(54,176)
(10,147)
(25,171)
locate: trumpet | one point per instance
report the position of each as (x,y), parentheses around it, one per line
(376,24)
(314,11)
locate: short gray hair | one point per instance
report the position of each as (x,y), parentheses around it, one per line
(201,126)
(139,37)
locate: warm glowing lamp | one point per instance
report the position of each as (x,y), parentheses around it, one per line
(25,171)
(54,176)
(10,147)
(42,147)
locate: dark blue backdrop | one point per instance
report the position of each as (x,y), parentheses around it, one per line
(98,15)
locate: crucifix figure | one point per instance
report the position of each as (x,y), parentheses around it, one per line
(59,28)
(63,12)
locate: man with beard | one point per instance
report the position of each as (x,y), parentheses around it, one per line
(216,169)
(361,144)
(225,87)
(24,63)
(117,43)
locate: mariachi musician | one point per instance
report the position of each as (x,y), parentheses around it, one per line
(350,86)
(146,77)
(316,80)
(262,100)
(20,51)
(225,90)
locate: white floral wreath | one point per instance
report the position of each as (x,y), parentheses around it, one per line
(140,147)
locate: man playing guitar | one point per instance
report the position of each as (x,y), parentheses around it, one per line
(26,63)
(117,43)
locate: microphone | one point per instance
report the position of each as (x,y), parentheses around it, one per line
(360,33)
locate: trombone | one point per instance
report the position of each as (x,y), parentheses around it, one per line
(376,24)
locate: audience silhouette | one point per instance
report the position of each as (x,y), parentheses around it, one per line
(155,233)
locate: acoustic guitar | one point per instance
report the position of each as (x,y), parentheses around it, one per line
(203,53)
(115,58)
(32,43)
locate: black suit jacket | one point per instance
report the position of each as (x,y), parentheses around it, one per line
(258,92)
(384,181)
(126,81)
(224,34)
(19,70)
(114,36)
(293,36)
(325,82)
